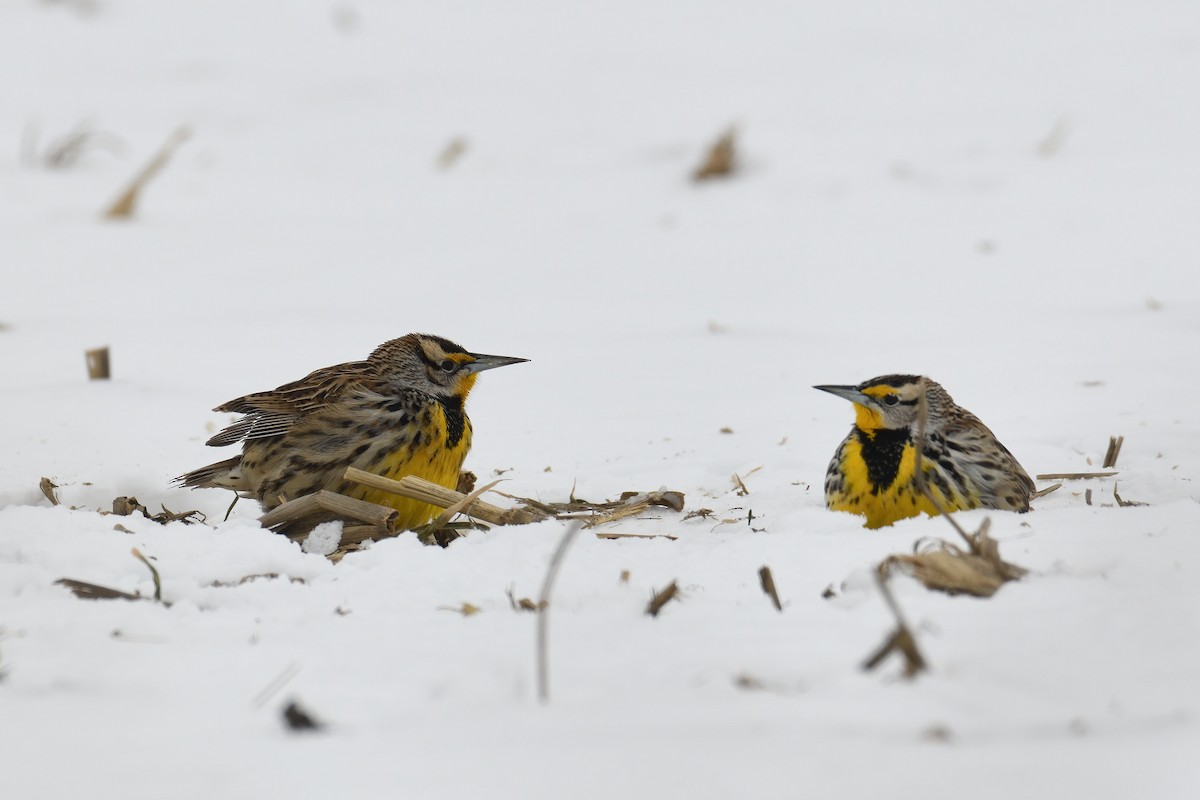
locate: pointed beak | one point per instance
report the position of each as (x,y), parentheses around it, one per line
(850,393)
(483,362)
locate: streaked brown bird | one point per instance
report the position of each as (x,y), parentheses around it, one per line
(873,472)
(400,412)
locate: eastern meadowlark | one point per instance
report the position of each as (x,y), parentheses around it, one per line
(400,412)
(873,471)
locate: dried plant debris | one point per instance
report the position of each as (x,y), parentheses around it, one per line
(466,609)
(430,533)
(1054,140)
(701,513)
(945,567)
(938,733)
(542,642)
(296,518)
(126,203)
(99,367)
(612,535)
(752,683)
(370,521)
(153,574)
(576,505)
(48,486)
(721,159)
(524,603)
(444,534)
(767,581)
(266,576)
(65,150)
(1114,450)
(466,482)
(428,492)
(452,152)
(127,506)
(1054,487)
(1074,476)
(629,504)
(92,591)
(1122,502)
(661,598)
(748,682)
(901,641)
(297,718)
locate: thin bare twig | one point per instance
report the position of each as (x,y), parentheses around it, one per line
(65,150)
(521,604)
(277,683)
(1054,487)
(1122,502)
(153,574)
(901,640)
(543,621)
(1074,476)
(442,519)
(123,207)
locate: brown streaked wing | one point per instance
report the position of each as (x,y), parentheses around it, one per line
(273,413)
(970,428)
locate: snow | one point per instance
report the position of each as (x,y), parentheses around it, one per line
(324,539)
(894,214)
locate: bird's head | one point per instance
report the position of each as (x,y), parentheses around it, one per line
(437,366)
(890,402)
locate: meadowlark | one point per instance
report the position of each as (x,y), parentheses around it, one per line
(400,412)
(873,471)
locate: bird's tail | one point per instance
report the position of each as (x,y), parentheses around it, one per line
(221,475)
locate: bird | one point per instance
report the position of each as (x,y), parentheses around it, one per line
(400,412)
(873,472)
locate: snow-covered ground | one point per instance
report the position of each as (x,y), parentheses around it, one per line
(999,195)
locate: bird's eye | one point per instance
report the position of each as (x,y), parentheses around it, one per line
(891,400)
(448,365)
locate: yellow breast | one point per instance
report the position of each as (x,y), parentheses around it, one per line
(884,505)
(432,460)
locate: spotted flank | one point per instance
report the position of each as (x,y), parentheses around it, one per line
(873,472)
(401,412)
